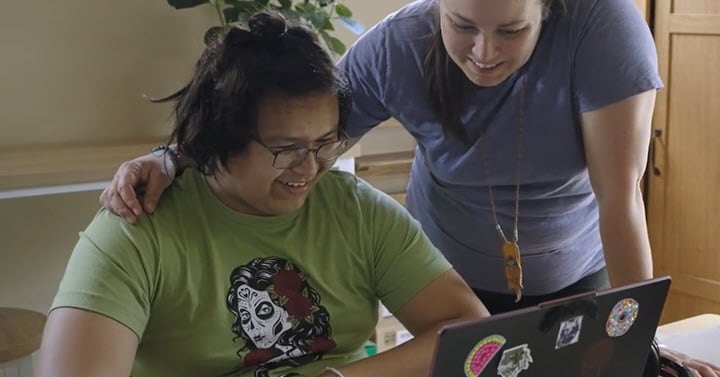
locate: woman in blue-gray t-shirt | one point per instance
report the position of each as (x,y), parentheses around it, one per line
(532,120)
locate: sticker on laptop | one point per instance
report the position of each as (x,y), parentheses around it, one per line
(482,353)
(514,360)
(569,332)
(622,317)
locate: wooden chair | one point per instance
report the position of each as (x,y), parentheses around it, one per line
(20,335)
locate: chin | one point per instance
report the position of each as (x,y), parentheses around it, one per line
(285,207)
(486,81)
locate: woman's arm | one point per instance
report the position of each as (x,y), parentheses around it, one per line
(616,141)
(446,299)
(80,343)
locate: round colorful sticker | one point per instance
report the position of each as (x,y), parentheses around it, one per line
(622,317)
(482,353)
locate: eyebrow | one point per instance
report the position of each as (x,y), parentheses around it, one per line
(284,139)
(466,20)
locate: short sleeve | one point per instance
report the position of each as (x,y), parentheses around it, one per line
(405,261)
(365,65)
(110,273)
(615,57)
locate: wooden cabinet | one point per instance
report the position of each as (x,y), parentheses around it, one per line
(387,153)
(684,174)
(644,6)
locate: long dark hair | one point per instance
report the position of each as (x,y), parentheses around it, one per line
(216,112)
(444,79)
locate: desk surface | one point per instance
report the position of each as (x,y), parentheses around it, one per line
(697,337)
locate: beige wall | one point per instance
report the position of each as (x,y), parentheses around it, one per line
(74,72)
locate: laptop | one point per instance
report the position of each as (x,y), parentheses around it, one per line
(597,334)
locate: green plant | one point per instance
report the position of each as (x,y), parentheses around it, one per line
(316,14)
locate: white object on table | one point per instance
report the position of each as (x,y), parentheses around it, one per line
(697,337)
(22,367)
(345,164)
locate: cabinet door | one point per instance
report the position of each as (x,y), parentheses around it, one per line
(684,174)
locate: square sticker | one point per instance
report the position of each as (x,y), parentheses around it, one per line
(569,332)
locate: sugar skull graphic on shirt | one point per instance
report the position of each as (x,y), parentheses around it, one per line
(278,319)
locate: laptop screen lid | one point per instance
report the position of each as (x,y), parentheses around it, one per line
(598,334)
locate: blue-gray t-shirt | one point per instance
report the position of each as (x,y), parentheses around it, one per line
(590,55)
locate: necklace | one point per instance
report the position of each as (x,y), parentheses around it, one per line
(511,251)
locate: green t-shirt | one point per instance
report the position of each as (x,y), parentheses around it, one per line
(213,292)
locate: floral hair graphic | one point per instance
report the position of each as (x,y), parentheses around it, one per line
(278,316)
(287,286)
(622,317)
(482,354)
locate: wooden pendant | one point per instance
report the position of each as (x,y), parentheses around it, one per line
(513,268)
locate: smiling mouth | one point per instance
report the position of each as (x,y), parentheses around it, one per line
(484,65)
(294,184)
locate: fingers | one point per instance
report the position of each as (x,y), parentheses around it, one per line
(701,369)
(124,189)
(112,201)
(157,182)
(118,200)
(119,197)
(158,173)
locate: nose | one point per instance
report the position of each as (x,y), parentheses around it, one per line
(309,166)
(485,48)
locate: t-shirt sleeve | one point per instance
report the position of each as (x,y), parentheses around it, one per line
(404,259)
(365,64)
(110,272)
(615,56)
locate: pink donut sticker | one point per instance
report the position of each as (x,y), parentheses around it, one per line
(482,353)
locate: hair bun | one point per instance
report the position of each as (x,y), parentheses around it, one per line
(238,37)
(268,27)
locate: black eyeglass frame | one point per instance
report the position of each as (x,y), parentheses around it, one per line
(340,145)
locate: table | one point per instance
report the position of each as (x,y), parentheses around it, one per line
(697,337)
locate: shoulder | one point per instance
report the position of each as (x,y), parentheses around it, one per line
(419,14)
(342,187)
(109,229)
(405,31)
(348,192)
(611,15)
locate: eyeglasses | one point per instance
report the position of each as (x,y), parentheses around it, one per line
(292,157)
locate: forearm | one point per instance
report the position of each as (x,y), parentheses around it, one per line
(623,229)
(411,359)
(447,299)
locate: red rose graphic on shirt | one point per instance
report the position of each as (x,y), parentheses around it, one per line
(287,282)
(257,357)
(298,306)
(320,345)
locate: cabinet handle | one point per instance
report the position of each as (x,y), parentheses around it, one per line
(657,134)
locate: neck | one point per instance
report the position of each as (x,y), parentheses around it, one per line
(223,191)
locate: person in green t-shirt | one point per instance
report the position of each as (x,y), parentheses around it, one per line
(259,261)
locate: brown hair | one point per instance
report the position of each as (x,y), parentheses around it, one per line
(443,79)
(215,113)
